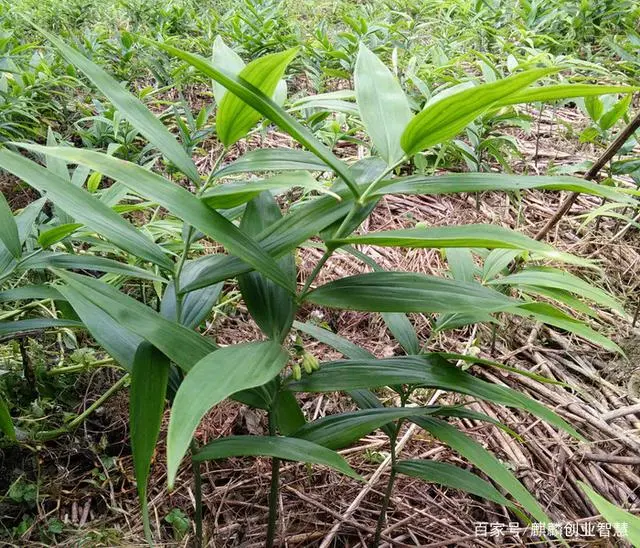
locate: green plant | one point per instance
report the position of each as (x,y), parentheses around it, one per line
(163,350)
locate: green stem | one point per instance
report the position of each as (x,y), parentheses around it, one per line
(374,185)
(197,475)
(212,173)
(341,232)
(315,272)
(327,254)
(273,493)
(51,434)
(79,367)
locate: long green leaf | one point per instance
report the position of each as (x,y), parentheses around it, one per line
(452,183)
(485,461)
(26,292)
(57,234)
(341,430)
(85,261)
(181,345)
(408,292)
(562,91)
(8,229)
(446,118)
(178,201)
(546,313)
(472,235)
(627,525)
(234,194)
(276,447)
(235,116)
(430,371)
(342,345)
(211,380)
(133,110)
(149,379)
(273,159)
(452,476)
(33,325)
(559,279)
(260,102)
(85,207)
(383,106)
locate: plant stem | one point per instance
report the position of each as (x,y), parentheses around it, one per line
(340,233)
(273,493)
(373,186)
(212,173)
(197,475)
(382,517)
(78,367)
(51,434)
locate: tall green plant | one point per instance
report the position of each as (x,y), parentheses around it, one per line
(167,356)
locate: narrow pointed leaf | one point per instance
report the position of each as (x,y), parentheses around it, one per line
(274,159)
(455,477)
(341,430)
(234,194)
(562,91)
(464,236)
(8,229)
(546,313)
(28,292)
(626,524)
(149,379)
(383,106)
(57,234)
(342,345)
(485,461)
(408,292)
(8,330)
(452,183)
(86,262)
(211,380)
(559,279)
(276,447)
